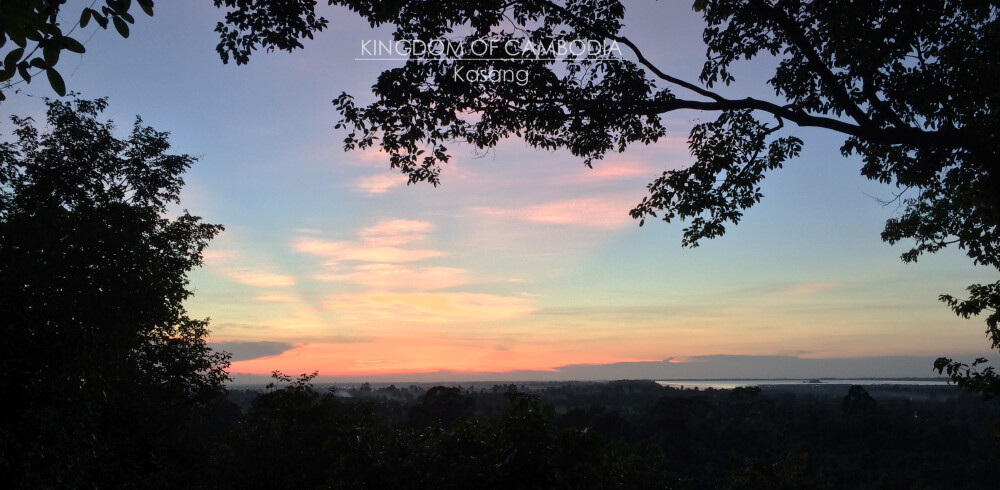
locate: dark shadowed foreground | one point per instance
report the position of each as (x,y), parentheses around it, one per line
(625,434)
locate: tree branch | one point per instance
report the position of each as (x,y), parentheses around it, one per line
(638,53)
(829,80)
(948,137)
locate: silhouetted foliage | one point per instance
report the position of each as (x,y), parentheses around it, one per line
(443,405)
(100,363)
(38,38)
(557,437)
(985,382)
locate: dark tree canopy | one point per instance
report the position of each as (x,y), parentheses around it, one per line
(99,358)
(907,84)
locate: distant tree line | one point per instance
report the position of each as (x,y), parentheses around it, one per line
(628,434)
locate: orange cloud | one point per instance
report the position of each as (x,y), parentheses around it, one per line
(401,355)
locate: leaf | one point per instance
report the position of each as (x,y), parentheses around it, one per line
(147,6)
(7,72)
(51,55)
(18,38)
(85,17)
(73,45)
(120,26)
(13,57)
(56,81)
(22,68)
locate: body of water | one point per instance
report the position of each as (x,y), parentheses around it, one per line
(728,384)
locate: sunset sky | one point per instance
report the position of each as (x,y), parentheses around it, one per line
(522,260)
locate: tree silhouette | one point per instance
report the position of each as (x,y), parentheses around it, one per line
(902,83)
(100,360)
(858,402)
(444,406)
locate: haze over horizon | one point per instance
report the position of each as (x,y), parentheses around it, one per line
(523,263)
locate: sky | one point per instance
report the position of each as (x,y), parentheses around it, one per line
(523,263)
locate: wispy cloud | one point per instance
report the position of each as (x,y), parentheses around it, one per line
(216,257)
(394,277)
(612,170)
(383,259)
(396,232)
(381,282)
(378,183)
(242,264)
(608,211)
(277,298)
(354,251)
(382,243)
(428,307)
(264,279)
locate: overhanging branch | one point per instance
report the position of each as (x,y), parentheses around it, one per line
(947,138)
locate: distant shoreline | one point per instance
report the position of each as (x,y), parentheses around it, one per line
(715,383)
(733,383)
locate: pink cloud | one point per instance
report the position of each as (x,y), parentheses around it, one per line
(612,170)
(596,212)
(373,158)
(378,183)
